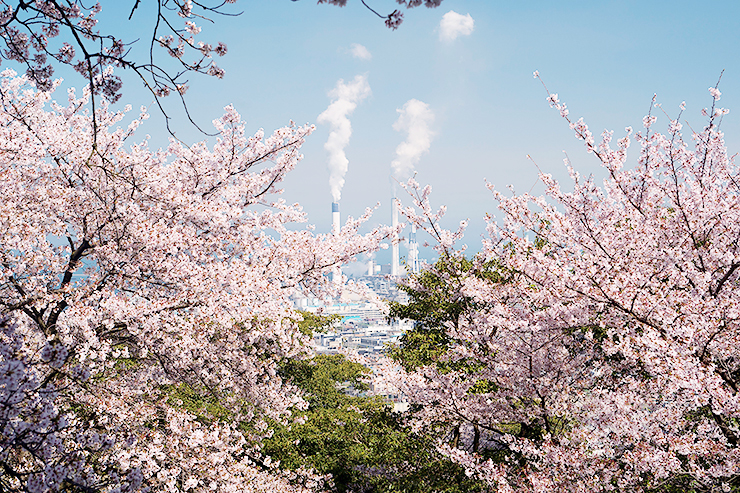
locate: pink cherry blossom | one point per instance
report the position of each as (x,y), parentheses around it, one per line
(128,273)
(610,340)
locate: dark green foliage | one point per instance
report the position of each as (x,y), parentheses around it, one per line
(482,386)
(419,347)
(358,439)
(433,305)
(324,378)
(315,323)
(205,407)
(432,299)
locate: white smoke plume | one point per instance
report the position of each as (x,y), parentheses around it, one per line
(345,98)
(414,119)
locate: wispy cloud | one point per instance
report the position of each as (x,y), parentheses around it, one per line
(359,51)
(345,98)
(454,25)
(414,119)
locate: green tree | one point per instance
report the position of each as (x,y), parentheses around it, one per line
(358,439)
(434,304)
(437,309)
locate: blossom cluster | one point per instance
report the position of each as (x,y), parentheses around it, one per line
(395,18)
(31,33)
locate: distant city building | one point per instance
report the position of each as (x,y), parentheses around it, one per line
(364,327)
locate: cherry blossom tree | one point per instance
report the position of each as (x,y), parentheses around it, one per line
(603,355)
(130,278)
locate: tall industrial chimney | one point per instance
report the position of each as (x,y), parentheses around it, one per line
(335,225)
(413,260)
(335,218)
(395,262)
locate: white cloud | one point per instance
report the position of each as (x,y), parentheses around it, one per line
(453,25)
(359,51)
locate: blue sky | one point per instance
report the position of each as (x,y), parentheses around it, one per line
(604,58)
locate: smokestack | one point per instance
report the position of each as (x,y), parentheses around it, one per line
(414,119)
(395,263)
(413,263)
(335,218)
(335,225)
